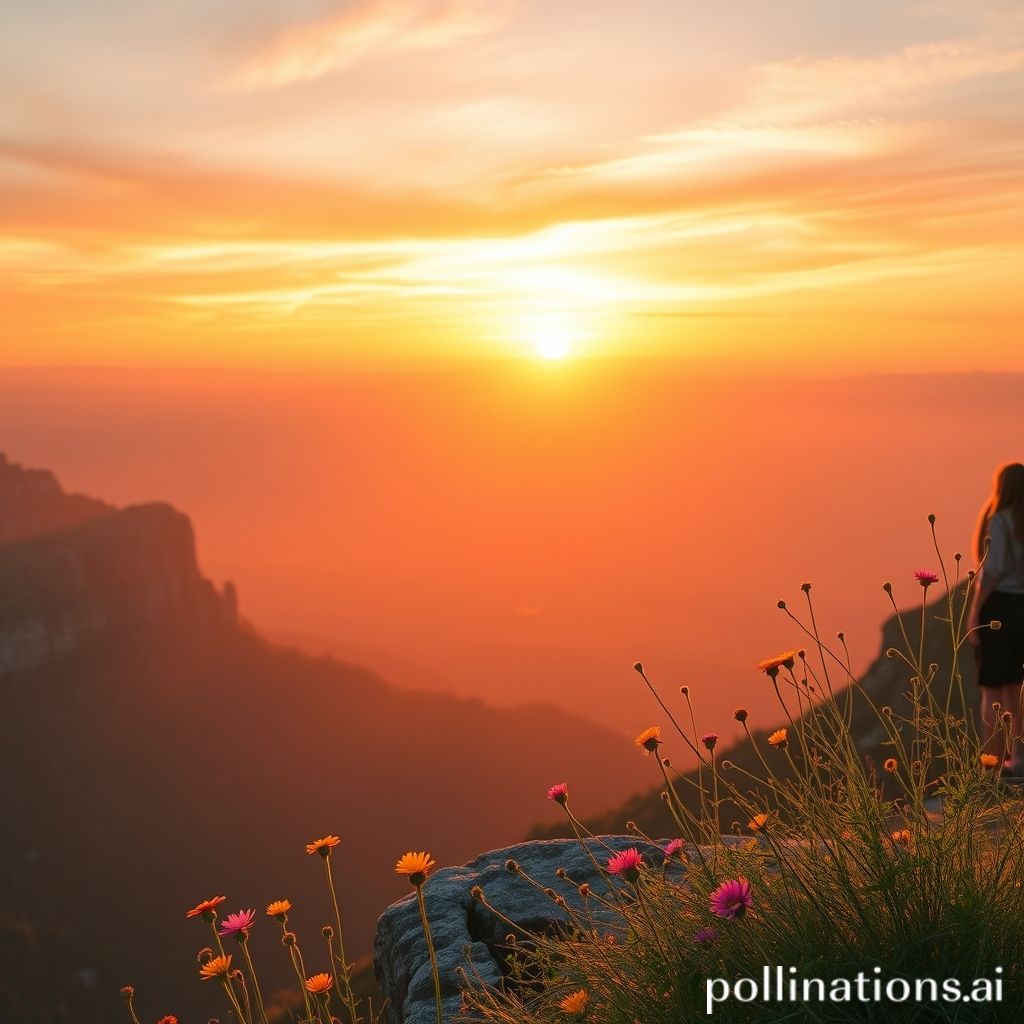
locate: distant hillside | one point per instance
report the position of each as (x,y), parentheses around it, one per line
(157,751)
(886,682)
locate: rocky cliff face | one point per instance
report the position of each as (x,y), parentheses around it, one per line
(111,572)
(32,502)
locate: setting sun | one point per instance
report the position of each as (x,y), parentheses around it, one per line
(553,345)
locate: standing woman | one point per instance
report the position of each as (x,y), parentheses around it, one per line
(999,594)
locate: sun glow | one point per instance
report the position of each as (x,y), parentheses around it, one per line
(552,337)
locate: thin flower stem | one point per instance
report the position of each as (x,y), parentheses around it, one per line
(131,1009)
(642,903)
(348,999)
(226,982)
(216,935)
(244,943)
(438,1005)
(295,958)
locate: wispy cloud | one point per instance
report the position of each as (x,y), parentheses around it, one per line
(310,51)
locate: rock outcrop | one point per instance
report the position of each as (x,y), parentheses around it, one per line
(129,569)
(32,503)
(468,935)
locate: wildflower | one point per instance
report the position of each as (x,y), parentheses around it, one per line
(709,739)
(627,863)
(732,899)
(989,760)
(705,936)
(319,984)
(740,714)
(207,909)
(218,967)
(127,992)
(757,822)
(901,837)
(1007,717)
(890,765)
(279,909)
(770,666)
(672,848)
(323,846)
(169,1019)
(416,866)
(649,739)
(779,738)
(926,577)
(575,1003)
(559,793)
(237,924)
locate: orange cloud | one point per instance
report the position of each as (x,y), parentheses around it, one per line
(306,52)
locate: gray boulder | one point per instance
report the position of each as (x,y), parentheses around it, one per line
(468,935)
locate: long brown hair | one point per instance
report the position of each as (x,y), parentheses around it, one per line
(1008,493)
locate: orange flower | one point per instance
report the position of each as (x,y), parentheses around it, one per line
(890,764)
(319,984)
(323,846)
(206,907)
(757,822)
(649,739)
(771,666)
(576,1003)
(989,760)
(779,738)
(416,866)
(901,837)
(218,967)
(279,908)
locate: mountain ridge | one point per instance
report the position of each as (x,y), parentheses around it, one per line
(158,748)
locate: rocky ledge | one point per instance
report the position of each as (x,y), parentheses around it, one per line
(468,935)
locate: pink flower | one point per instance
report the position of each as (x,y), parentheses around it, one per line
(559,793)
(709,739)
(705,936)
(732,898)
(628,864)
(672,848)
(926,577)
(237,924)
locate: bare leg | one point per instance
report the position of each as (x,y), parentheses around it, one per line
(1012,701)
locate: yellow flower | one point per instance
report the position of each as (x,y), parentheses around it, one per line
(779,738)
(575,1003)
(279,908)
(787,659)
(218,967)
(890,764)
(757,822)
(323,846)
(989,760)
(649,739)
(416,866)
(319,984)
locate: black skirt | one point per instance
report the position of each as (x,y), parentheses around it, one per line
(1001,651)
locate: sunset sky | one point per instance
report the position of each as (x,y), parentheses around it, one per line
(804,186)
